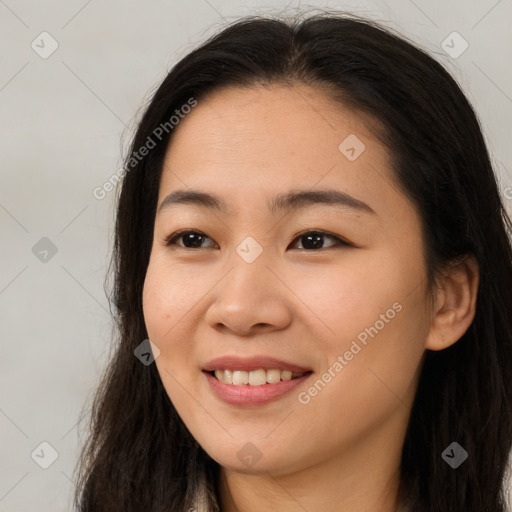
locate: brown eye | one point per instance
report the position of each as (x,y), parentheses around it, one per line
(190,239)
(310,240)
(315,240)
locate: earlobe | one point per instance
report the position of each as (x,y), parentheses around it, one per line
(455,304)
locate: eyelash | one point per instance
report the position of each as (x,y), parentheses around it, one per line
(171,239)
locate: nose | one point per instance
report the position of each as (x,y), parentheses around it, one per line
(249,300)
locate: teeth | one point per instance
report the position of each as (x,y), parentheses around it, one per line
(273,376)
(240,377)
(286,375)
(255,377)
(219,374)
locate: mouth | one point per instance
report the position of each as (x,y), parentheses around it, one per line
(258,377)
(252,388)
(254,381)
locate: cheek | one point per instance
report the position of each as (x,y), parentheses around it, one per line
(343,299)
(168,298)
(170,294)
(366,384)
(374,316)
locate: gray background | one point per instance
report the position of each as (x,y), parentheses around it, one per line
(64,120)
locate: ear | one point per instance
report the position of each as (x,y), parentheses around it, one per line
(455,304)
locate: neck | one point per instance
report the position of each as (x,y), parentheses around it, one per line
(363,478)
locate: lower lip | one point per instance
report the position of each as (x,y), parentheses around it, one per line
(253,395)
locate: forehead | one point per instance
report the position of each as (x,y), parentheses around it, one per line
(265,122)
(241,142)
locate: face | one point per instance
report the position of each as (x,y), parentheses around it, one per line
(318,299)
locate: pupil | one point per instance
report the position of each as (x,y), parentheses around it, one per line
(196,240)
(313,241)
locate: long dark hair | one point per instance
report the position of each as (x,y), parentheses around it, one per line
(139,455)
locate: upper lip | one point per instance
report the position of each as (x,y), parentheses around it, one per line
(251,363)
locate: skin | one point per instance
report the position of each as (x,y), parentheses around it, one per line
(341,450)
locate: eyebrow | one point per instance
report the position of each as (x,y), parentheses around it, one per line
(293,200)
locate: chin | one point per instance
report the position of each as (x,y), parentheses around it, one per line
(253,458)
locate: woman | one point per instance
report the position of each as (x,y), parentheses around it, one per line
(310,233)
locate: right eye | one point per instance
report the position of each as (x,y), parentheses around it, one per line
(191,239)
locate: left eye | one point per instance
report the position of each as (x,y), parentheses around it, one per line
(313,240)
(308,240)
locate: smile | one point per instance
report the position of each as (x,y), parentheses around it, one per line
(255,377)
(246,394)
